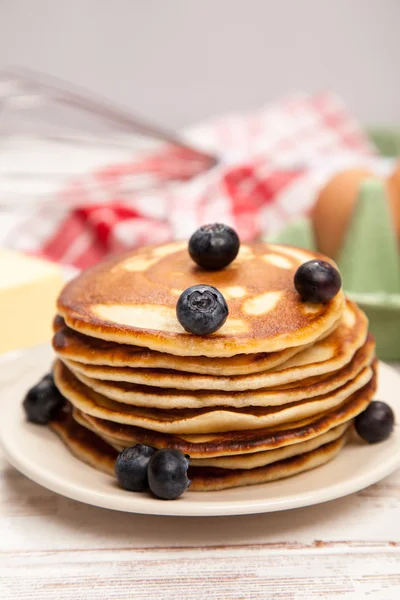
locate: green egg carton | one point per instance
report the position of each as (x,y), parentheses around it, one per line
(369,263)
(386,140)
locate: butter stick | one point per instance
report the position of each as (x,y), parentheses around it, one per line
(28,292)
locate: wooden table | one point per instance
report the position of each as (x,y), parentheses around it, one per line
(55,548)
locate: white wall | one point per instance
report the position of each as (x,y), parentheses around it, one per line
(177,61)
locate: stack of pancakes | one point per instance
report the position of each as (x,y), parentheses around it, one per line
(272,393)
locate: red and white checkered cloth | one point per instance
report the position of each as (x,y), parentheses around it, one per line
(271,164)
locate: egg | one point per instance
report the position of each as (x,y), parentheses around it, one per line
(393,187)
(335,204)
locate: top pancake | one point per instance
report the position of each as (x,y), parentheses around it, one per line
(329,354)
(132,300)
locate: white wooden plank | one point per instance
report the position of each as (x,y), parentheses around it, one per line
(214,574)
(34,518)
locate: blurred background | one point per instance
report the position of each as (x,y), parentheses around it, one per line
(130,123)
(181,61)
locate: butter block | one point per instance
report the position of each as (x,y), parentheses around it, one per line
(28,292)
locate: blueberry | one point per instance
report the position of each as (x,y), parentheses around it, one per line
(376,423)
(214,246)
(168,473)
(317,281)
(131,467)
(201,309)
(43,401)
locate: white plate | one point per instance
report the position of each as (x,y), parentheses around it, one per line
(40,455)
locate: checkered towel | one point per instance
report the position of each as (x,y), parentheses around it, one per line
(271,163)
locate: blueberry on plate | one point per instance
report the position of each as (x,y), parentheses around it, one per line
(201,309)
(131,467)
(317,281)
(168,473)
(376,423)
(214,246)
(43,401)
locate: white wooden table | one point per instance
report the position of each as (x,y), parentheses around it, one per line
(55,548)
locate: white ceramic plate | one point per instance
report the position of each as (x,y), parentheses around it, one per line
(40,455)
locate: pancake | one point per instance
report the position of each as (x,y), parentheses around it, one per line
(262,459)
(165,398)
(211,479)
(70,344)
(132,300)
(270,394)
(326,355)
(204,420)
(235,442)
(84,444)
(91,449)
(243,461)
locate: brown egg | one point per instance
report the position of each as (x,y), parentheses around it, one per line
(393,187)
(335,204)
(333,209)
